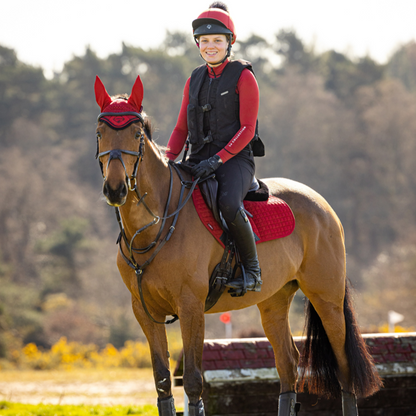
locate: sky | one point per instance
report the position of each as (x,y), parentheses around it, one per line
(47,33)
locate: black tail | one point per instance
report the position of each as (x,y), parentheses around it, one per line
(319,366)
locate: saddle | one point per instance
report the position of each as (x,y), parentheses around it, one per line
(270,218)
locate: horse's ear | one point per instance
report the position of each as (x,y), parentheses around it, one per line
(101,95)
(136,96)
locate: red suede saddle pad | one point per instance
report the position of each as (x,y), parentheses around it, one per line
(271,219)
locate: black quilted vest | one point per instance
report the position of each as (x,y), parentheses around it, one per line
(213,110)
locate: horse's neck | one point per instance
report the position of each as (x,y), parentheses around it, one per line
(153,179)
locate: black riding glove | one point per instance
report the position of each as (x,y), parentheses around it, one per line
(206,167)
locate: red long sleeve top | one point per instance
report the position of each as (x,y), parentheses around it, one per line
(248,91)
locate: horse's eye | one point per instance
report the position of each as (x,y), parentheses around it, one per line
(138,134)
(98,135)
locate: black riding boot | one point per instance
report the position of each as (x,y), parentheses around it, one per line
(243,236)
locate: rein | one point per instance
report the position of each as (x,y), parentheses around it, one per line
(130,260)
(129,257)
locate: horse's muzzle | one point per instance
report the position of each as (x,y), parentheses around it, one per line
(115,197)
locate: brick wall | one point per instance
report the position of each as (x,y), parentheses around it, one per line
(240,378)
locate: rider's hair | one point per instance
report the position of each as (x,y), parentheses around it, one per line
(219,5)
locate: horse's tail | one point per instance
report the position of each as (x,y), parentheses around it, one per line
(319,366)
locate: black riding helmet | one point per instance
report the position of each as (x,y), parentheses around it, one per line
(215,21)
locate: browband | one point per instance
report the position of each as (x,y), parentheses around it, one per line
(126,113)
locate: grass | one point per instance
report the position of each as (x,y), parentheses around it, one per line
(115,391)
(86,375)
(18,409)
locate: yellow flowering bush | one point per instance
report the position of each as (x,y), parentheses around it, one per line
(68,355)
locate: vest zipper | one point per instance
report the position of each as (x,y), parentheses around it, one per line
(209,135)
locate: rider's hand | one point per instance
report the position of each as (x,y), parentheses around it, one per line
(206,167)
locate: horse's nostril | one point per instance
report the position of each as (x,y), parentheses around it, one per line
(105,189)
(123,190)
(115,195)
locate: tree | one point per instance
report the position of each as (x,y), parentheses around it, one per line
(402,66)
(344,77)
(20,93)
(291,48)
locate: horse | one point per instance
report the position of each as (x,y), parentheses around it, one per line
(166,256)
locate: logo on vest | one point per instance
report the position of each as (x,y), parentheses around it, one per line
(209,26)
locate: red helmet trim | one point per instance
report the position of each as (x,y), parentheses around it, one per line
(219,15)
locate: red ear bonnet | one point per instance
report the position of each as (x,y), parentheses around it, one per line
(119,113)
(136,96)
(101,95)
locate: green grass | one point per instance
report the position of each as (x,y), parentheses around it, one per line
(18,409)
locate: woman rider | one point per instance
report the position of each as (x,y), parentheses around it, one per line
(219,114)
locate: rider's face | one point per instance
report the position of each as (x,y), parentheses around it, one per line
(213,48)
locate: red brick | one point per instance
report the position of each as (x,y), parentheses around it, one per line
(400,348)
(222,365)
(378,359)
(211,355)
(401,358)
(412,343)
(271,354)
(379,349)
(251,364)
(383,340)
(235,345)
(213,346)
(209,365)
(232,354)
(269,363)
(260,353)
(369,341)
(395,358)
(263,344)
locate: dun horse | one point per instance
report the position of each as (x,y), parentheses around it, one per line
(172,277)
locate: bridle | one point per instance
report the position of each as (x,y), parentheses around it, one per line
(132,185)
(117,153)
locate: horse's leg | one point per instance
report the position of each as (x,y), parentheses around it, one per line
(192,321)
(332,317)
(158,343)
(275,320)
